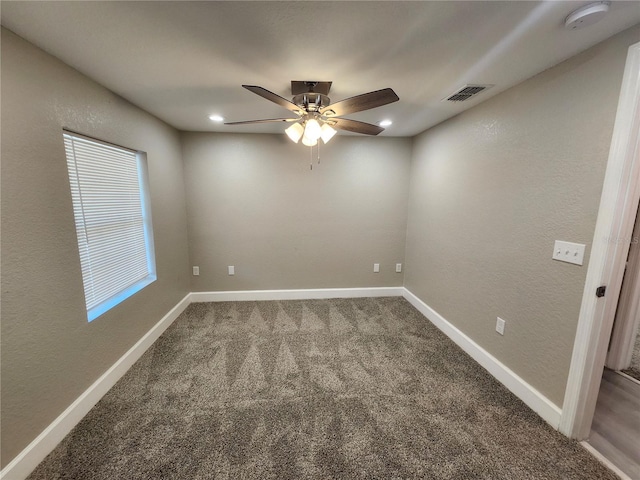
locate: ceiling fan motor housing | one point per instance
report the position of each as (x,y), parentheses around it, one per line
(311,101)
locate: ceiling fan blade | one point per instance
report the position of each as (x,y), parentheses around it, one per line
(362,102)
(264,93)
(266,120)
(356,126)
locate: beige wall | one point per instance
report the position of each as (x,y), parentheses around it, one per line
(492,188)
(50,353)
(489,192)
(254,203)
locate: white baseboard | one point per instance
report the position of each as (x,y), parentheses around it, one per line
(540,404)
(605,461)
(628,377)
(301,294)
(27,460)
(21,466)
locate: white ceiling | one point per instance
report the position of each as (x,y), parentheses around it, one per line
(185,60)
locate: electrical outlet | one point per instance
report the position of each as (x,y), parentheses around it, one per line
(500,324)
(196,271)
(376,268)
(398,267)
(232,270)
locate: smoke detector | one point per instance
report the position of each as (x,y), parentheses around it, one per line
(587,15)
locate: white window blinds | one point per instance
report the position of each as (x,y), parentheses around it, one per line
(113,222)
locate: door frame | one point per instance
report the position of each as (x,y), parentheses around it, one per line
(627,316)
(616,216)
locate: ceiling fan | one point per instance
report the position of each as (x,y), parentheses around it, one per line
(318,118)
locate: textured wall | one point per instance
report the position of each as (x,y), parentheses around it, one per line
(254,203)
(489,192)
(492,188)
(50,353)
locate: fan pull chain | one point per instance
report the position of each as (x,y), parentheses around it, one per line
(311,156)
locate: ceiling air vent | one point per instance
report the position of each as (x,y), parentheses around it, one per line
(467,92)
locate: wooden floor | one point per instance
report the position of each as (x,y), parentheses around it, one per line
(615,431)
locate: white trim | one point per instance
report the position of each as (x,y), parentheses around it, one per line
(540,404)
(300,294)
(628,377)
(21,466)
(27,460)
(605,461)
(618,207)
(627,316)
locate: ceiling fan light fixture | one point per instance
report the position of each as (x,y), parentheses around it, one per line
(312,130)
(216,118)
(309,142)
(385,123)
(319,118)
(294,132)
(327,132)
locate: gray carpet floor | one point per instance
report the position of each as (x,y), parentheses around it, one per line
(634,367)
(319,389)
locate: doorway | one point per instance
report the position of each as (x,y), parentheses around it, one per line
(607,261)
(624,348)
(615,430)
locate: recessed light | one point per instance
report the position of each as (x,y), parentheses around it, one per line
(385,123)
(216,118)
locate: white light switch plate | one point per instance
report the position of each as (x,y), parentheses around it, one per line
(568,252)
(500,324)
(232,270)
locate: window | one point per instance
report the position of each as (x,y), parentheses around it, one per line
(109,189)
